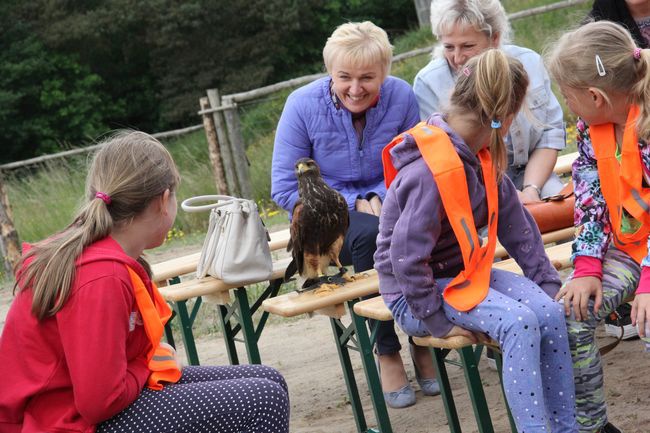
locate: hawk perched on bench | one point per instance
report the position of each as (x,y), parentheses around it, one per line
(320,221)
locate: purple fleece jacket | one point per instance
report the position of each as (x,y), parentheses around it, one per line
(416,243)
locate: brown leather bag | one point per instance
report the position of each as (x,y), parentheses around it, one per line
(554,212)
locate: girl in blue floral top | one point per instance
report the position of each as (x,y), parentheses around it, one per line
(604,79)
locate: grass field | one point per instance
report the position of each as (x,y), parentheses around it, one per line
(44,198)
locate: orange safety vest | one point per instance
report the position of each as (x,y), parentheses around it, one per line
(155,313)
(471,285)
(621,183)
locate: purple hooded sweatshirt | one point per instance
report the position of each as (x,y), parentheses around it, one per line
(416,243)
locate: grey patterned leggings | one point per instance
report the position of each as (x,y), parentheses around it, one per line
(237,398)
(620,280)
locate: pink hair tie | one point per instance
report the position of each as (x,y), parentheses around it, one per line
(636,53)
(104,197)
(466,71)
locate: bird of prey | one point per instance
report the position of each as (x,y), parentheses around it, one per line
(320,221)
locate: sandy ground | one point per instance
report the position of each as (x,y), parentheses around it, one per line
(303,350)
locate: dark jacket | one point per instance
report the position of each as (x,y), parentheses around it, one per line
(617,11)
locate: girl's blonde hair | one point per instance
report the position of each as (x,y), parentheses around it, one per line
(575,61)
(487,16)
(493,87)
(132,168)
(358,45)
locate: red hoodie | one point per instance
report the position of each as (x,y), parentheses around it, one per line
(69,372)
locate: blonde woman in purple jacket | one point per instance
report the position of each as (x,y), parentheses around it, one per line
(343,121)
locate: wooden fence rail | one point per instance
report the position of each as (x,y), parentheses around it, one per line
(44,158)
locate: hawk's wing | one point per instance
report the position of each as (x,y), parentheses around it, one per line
(295,243)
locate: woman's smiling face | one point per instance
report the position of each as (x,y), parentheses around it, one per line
(356,87)
(463,42)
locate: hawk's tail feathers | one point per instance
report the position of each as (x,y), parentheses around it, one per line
(291,270)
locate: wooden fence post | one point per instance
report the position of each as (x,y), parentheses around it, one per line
(238,149)
(224,144)
(9,244)
(213,149)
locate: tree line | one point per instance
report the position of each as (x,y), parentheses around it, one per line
(70,71)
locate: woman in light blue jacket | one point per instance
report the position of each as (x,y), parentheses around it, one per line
(343,122)
(467,28)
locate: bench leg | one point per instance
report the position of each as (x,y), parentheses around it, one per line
(223,313)
(247,326)
(439,356)
(169,333)
(186,321)
(475,388)
(499,361)
(238,316)
(365,345)
(341,336)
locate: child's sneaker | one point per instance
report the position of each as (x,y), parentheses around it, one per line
(621,317)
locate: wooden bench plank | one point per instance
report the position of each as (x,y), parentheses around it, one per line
(279,239)
(375,308)
(211,286)
(294,303)
(547,238)
(560,256)
(168,269)
(163,271)
(564,163)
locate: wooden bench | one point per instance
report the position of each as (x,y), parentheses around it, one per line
(356,335)
(234,315)
(564,163)
(376,309)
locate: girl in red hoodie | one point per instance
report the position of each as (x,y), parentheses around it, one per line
(80,350)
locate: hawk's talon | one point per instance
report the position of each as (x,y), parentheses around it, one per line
(343,275)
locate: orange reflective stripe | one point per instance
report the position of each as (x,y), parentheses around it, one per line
(471,285)
(163,368)
(155,313)
(622,183)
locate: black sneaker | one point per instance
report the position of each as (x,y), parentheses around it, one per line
(609,428)
(621,317)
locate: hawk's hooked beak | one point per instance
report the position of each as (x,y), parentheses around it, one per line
(302,167)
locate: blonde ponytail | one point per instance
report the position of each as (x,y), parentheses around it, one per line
(129,170)
(492,86)
(641,94)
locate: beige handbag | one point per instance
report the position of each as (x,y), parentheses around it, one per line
(236,248)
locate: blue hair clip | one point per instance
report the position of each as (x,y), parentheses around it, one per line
(495,124)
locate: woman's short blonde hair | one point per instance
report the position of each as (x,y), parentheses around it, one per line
(358,45)
(487,16)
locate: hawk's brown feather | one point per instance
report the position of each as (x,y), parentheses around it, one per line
(320,221)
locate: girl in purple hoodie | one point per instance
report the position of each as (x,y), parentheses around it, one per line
(418,253)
